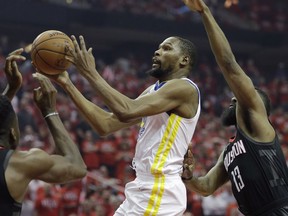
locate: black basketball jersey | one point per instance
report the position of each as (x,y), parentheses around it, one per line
(8,206)
(258,173)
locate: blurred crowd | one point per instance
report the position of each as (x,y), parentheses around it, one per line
(109,158)
(264,15)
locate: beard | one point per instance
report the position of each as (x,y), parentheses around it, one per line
(228,116)
(156,72)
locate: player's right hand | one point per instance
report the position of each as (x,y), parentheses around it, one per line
(45,95)
(61,78)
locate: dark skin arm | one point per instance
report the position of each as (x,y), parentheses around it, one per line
(250,110)
(101,121)
(204,185)
(66,166)
(45,98)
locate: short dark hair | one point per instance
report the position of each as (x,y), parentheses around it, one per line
(7,113)
(265,99)
(189,49)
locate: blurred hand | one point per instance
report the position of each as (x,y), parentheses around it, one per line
(45,95)
(13,75)
(195,5)
(229,3)
(188,164)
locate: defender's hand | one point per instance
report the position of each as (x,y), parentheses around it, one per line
(195,5)
(188,165)
(45,95)
(13,75)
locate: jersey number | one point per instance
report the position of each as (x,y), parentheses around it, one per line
(238,182)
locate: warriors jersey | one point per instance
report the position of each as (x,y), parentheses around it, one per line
(8,206)
(163,140)
(258,173)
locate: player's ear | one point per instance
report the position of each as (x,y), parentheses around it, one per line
(185,60)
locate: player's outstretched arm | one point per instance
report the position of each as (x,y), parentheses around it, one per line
(238,81)
(251,111)
(102,121)
(84,61)
(204,185)
(171,95)
(68,164)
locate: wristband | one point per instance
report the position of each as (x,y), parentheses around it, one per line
(51,114)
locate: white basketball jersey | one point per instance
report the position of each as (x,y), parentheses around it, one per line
(163,140)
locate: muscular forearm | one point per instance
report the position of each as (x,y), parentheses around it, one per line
(199,185)
(218,41)
(64,144)
(118,103)
(207,184)
(101,121)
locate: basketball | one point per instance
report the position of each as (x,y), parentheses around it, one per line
(49,50)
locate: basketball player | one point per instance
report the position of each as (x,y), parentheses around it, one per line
(168,112)
(253,160)
(18,168)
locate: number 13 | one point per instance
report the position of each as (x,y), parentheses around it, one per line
(237,178)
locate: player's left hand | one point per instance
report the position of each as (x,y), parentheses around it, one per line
(188,164)
(83,59)
(13,75)
(195,5)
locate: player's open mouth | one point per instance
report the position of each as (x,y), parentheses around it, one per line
(155,62)
(155,65)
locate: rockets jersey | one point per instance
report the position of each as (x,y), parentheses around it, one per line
(8,206)
(163,140)
(258,173)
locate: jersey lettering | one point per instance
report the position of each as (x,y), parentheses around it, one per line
(238,148)
(142,127)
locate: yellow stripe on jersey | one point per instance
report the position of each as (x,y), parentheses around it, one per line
(160,195)
(156,196)
(171,140)
(158,165)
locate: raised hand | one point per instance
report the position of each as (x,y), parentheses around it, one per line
(45,95)
(83,59)
(195,5)
(13,75)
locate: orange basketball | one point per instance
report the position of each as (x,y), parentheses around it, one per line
(49,50)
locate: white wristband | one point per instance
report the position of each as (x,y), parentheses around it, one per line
(51,114)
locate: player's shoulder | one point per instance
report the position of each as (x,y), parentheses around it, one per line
(33,154)
(184,85)
(186,82)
